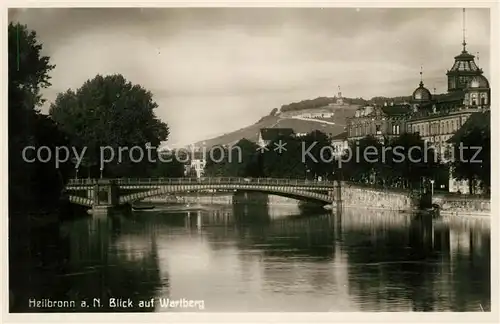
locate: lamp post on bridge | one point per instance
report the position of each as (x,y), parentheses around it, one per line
(74,160)
(100,169)
(432,188)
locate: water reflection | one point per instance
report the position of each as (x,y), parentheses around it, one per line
(91,260)
(248,258)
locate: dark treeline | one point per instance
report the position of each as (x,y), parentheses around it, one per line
(405,162)
(246,159)
(324,101)
(319,102)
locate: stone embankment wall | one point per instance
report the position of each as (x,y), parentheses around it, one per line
(463,205)
(364,197)
(225,199)
(352,196)
(216,199)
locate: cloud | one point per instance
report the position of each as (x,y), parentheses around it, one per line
(220,69)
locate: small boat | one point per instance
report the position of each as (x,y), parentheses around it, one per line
(143,207)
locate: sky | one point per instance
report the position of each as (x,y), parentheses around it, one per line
(216,70)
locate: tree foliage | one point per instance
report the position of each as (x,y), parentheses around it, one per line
(320,162)
(472,162)
(170,165)
(239,160)
(246,159)
(404,162)
(32,185)
(109,111)
(285,164)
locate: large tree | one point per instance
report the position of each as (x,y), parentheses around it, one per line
(32,185)
(109,111)
(238,160)
(413,160)
(363,160)
(282,158)
(318,155)
(472,152)
(170,165)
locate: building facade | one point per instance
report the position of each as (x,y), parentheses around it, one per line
(439,118)
(436,118)
(387,121)
(340,144)
(195,166)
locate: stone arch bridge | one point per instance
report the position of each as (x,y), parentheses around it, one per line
(107,193)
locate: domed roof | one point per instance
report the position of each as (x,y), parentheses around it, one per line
(464,62)
(479,81)
(421,93)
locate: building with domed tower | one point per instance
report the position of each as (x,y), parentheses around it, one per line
(437,118)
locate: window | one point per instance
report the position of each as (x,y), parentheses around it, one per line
(377,129)
(474,99)
(483,101)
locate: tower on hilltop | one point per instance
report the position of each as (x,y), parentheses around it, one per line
(340,100)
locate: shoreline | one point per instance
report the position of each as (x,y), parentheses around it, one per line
(226,199)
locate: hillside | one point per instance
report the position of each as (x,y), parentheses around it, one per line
(332,126)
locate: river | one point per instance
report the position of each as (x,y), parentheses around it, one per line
(254,258)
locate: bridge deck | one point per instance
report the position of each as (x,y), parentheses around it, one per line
(185,181)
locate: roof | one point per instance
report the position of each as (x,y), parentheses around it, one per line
(450,97)
(421,93)
(479,81)
(477,120)
(269,134)
(341,136)
(464,62)
(401,109)
(443,99)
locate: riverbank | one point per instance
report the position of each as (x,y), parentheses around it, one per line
(352,197)
(225,198)
(209,198)
(463,205)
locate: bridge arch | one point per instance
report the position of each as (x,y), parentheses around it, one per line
(279,191)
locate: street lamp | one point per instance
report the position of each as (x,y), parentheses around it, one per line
(432,188)
(76,173)
(101,171)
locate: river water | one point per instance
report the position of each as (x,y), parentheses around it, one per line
(255,258)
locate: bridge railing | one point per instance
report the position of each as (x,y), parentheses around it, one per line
(202,180)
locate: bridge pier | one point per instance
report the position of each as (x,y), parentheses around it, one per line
(101,210)
(104,194)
